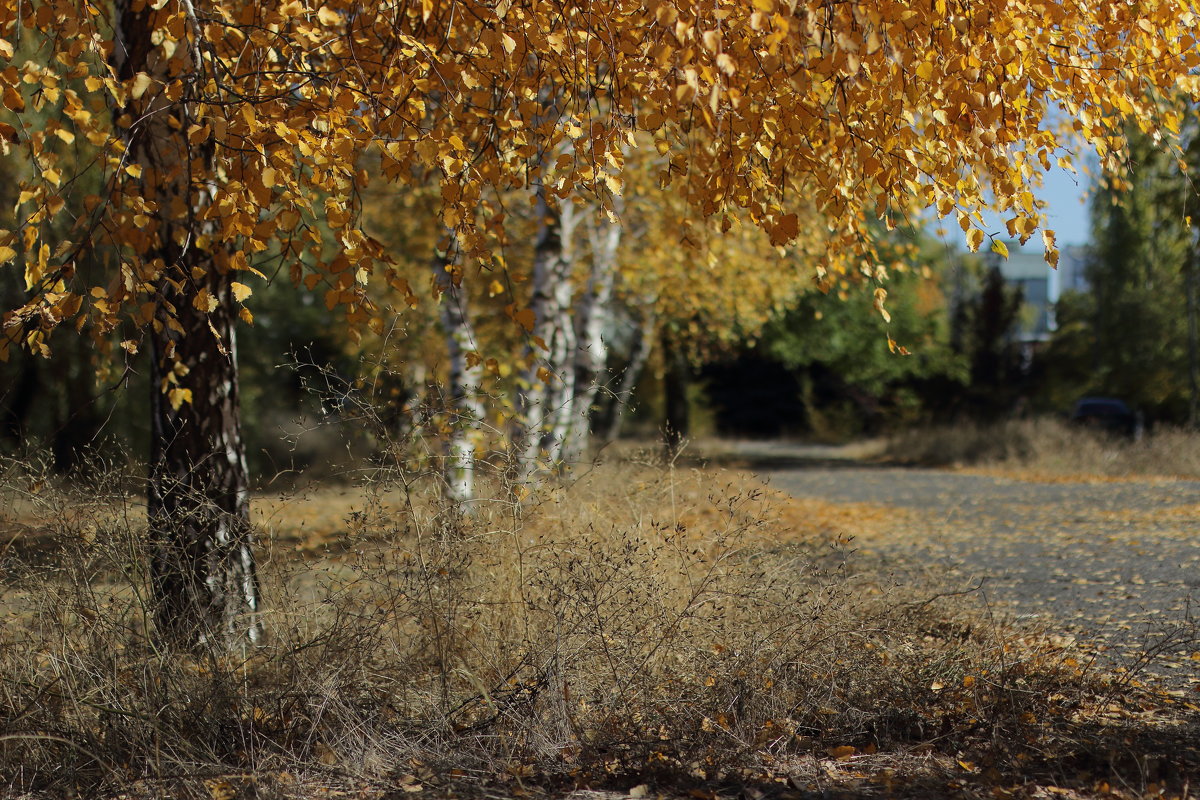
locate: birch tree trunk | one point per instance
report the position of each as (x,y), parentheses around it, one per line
(593,320)
(464,382)
(202,565)
(538,434)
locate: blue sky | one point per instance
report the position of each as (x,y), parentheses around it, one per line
(1068,215)
(1064,193)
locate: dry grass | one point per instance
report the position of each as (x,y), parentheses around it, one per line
(1049,449)
(647,624)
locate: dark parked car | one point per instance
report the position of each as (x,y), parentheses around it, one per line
(1107,414)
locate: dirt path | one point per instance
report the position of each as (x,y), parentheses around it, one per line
(1115,562)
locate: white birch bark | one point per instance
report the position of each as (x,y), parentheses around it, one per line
(538,433)
(202,569)
(463,385)
(593,321)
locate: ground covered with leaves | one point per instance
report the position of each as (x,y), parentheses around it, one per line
(646,631)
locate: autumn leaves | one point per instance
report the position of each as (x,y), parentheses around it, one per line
(264,123)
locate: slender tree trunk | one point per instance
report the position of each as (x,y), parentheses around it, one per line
(464,382)
(593,318)
(640,352)
(559,335)
(538,434)
(676,376)
(199,504)
(202,567)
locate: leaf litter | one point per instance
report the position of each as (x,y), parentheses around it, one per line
(911,685)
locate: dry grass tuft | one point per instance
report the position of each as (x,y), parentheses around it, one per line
(1050,449)
(644,624)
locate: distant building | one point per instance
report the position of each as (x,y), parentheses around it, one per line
(1041,285)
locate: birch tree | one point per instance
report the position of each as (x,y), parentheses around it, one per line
(464,382)
(541,428)
(198,505)
(593,324)
(229,137)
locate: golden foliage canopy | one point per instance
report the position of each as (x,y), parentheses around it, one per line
(786,112)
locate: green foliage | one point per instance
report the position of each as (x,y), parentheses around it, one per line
(1128,339)
(847,370)
(984,324)
(840,331)
(1062,371)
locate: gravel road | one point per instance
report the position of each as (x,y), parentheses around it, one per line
(1116,563)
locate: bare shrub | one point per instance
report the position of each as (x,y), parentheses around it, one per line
(1050,447)
(645,621)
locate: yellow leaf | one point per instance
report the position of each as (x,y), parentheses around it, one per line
(880,297)
(785,229)
(328,16)
(66,135)
(525,318)
(974,239)
(204,301)
(1052,257)
(134,170)
(240,291)
(178,397)
(141,82)
(7,253)
(197,133)
(13,99)
(1000,247)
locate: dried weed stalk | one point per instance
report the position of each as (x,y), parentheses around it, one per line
(645,620)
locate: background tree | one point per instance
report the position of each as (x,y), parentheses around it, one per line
(831,366)
(985,335)
(1127,336)
(228,136)
(1143,241)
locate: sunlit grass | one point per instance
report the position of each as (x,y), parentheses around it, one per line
(642,622)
